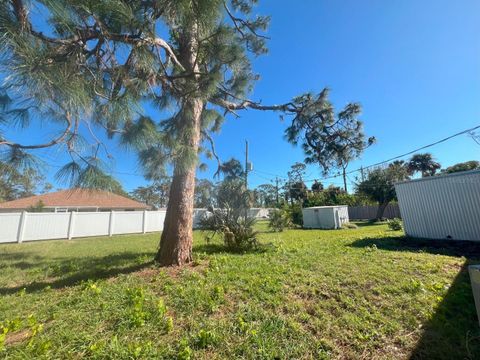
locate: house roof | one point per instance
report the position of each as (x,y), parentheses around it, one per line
(76,198)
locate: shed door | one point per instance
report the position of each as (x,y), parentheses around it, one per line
(337,219)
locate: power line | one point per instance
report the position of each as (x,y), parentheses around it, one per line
(391,159)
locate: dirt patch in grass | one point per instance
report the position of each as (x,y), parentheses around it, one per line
(17,337)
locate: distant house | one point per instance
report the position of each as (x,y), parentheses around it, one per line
(74,200)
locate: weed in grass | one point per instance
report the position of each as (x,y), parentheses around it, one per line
(205,338)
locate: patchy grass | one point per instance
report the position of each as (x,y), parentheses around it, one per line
(307,294)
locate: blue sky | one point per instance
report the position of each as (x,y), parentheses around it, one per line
(413,65)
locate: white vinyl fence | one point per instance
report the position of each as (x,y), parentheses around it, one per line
(19,227)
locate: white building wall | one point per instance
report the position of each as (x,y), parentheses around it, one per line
(441,207)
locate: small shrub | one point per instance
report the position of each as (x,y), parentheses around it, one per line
(237,232)
(279,220)
(349,226)
(395,224)
(296,214)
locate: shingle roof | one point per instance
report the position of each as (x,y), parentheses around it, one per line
(76,198)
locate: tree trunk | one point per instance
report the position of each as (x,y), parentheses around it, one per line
(177,235)
(345,179)
(381,210)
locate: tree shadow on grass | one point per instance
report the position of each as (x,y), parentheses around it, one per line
(216,248)
(453,331)
(67,272)
(364,223)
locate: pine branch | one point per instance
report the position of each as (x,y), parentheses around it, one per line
(90,33)
(244,104)
(207,136)
(58,140)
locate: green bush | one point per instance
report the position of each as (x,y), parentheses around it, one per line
(296,214)
(395,224)
(279,220)
(237,232)
(349,226)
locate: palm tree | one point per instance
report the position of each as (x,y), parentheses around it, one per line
(231,170)
(424,164)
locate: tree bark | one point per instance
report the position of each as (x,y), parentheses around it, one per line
(381,210)
(177,236)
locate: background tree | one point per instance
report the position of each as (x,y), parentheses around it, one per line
(379,185)
(328,139)
(234,196)
(424,164)
(297,191)
(297,172)
(296,188)
(155,194)
(231,170)
(464,166)
(38,207)
(317,186)
(267,195)
(204,193)
(15,184)
(97,63)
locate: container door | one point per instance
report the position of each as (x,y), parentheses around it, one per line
(337,219)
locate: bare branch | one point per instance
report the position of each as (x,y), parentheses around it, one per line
(207,137)
(53,142)
(236,21)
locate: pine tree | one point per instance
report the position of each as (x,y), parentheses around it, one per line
(329,139)
(96,64)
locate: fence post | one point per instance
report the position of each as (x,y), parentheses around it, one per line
(21,226)
(144,223)
(111,223)
(71,225)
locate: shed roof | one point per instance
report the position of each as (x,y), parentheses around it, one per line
(76,198)
(439,176)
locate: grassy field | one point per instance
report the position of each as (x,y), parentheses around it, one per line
(365,293)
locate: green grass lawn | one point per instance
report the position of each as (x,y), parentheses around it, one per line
(365,293)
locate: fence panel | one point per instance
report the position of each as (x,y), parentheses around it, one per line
(90,224)
(9,224)
(154,221)
(128,222)
(43,226)
(370,212)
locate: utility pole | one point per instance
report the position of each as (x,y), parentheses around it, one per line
(246,164)
(362,173)
(276,190)
(246,176)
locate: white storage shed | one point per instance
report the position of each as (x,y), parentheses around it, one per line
(325,217)
(441,207)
